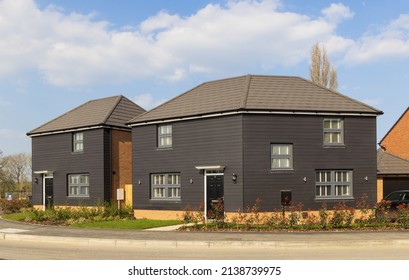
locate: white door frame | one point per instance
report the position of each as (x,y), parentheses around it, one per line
(45,174)
(210,170)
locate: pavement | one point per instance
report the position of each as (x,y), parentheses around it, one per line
(170,237)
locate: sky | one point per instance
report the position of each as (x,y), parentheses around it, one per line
(58,54)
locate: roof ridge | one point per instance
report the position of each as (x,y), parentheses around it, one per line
(245,93)
(108,115)
(343,96)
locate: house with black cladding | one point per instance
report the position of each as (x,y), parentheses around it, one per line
(84,156)
(278,138)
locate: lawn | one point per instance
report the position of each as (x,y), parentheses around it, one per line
(115,224)
(128,224)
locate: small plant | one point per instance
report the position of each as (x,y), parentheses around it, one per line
(323,214)
(294,218)
(255,214)
(403,215)
(188,215)
(274,220)
(382,216)
(218,213)
(342,216)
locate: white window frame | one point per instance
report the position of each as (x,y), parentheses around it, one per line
(333,135)
(78,142)
(166,186)
(78,185)
(165,136)
(333,184)
(281,153)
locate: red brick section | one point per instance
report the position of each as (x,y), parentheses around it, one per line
(396,141)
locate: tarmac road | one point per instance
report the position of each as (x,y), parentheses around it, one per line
(169,244)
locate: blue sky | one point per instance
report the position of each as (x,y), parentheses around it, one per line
(56,55)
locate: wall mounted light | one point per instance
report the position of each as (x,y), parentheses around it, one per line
(366,178)
(191,181)
(234,178)
(304,179)
(36,180)
(139,182)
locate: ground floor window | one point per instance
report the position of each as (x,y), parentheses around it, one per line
(333,183)
(78,185)
(165,186)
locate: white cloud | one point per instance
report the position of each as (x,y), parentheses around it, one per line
(337,12)
(147,101)
(391,41)
(75,49)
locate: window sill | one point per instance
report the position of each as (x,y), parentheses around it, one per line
(78,196)
(334,198)
(167,200)
(164,149)
(283,170)
(334,146)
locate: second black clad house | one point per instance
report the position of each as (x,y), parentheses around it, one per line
(83,156)
(250,137)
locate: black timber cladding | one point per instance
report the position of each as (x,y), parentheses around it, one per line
(195,143)
(54,153)
(309,154)
(242,143)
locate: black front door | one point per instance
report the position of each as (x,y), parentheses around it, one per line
(215,196)
(49,192)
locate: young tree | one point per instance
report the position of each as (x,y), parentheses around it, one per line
(15,172)
(18,166)
(321,71)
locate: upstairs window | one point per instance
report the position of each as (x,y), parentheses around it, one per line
(281,156)
(333,132)
(78,142)
(165,136)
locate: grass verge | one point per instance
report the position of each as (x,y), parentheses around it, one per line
(128,224)
(115,224)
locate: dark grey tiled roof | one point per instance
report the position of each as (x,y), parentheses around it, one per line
(111,111)
(389,164)
(256,92)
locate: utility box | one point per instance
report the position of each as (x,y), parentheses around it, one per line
(286,198)
(120,194)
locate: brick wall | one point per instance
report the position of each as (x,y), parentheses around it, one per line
(397,140)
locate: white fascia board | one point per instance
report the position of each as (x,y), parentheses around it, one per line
(171,120)
(67,130)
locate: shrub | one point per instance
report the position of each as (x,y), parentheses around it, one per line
(14,205)
(323,214)
(403,215)
(382,216)
(342,216)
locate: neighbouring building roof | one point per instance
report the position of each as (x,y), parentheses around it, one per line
(112,111)
(255,93)
(389,164)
